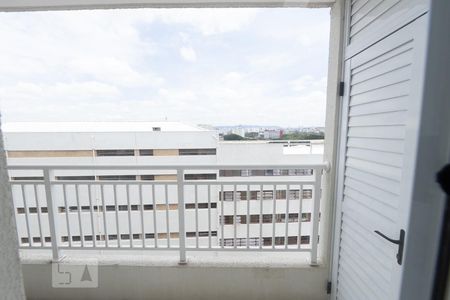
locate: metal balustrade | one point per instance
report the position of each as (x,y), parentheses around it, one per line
(225,214)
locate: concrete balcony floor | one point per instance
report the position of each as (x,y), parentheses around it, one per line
(157,275)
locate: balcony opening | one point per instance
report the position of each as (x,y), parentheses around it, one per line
(194,130)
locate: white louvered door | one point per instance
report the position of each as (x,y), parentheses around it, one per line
(381,107)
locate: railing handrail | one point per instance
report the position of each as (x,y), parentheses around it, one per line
(196,166)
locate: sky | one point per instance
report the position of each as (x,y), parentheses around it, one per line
(199,66)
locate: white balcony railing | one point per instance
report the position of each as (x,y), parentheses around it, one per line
(277,213)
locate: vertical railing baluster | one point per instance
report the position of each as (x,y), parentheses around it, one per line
(260,216)
(234,217)
(196,214)
(51,216)
(79,215)
(130,230)
(69,234)
(166,197)
(38,207)
(248,216)
(155,228)
(118,238)
(222,217)
(27,220)
(315,216)
(141,203)
(274,215)
(286,236)
(209,216)
(300,213)
(181,229)
(105,229)
(91,211)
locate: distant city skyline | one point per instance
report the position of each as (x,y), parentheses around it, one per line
(199,66)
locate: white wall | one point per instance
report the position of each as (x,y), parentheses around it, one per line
(11,285)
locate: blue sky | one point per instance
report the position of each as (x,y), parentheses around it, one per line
(208,66)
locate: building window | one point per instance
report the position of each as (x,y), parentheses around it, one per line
(73,208)
(112,237)
(306,217)
(191,234)
(76,238)
(257,172)
(149,235)
(146,152)
(156,128)
(200,233)
(280,194)
(148,207)
(208,151)
(32,178)
(24,240)
(200,205)
(226,196)
(21,210)
(254,219)
(123,207)
(227,220)
(148,177)
(230,173)
(200,176)
(124,152)
(293,218)
(124,236)
(304,239)
(117,177)
(44,210)
(267,218)
(279,240)
(292,240)
(75,178)
(242,219)
(307,194)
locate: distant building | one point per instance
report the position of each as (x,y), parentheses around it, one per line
(272,134)
(114,194)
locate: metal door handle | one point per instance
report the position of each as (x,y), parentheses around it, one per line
(400,242)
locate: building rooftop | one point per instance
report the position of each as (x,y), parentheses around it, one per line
(97,126)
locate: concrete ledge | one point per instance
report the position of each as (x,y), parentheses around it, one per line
(31,5)
(152,276)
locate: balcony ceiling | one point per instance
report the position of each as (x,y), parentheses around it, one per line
(26,5)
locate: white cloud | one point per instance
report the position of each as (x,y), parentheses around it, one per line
(119,65)
(188,54)
(270,62)
(308,83)
(210,21)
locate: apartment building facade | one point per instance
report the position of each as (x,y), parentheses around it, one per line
(127,208)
